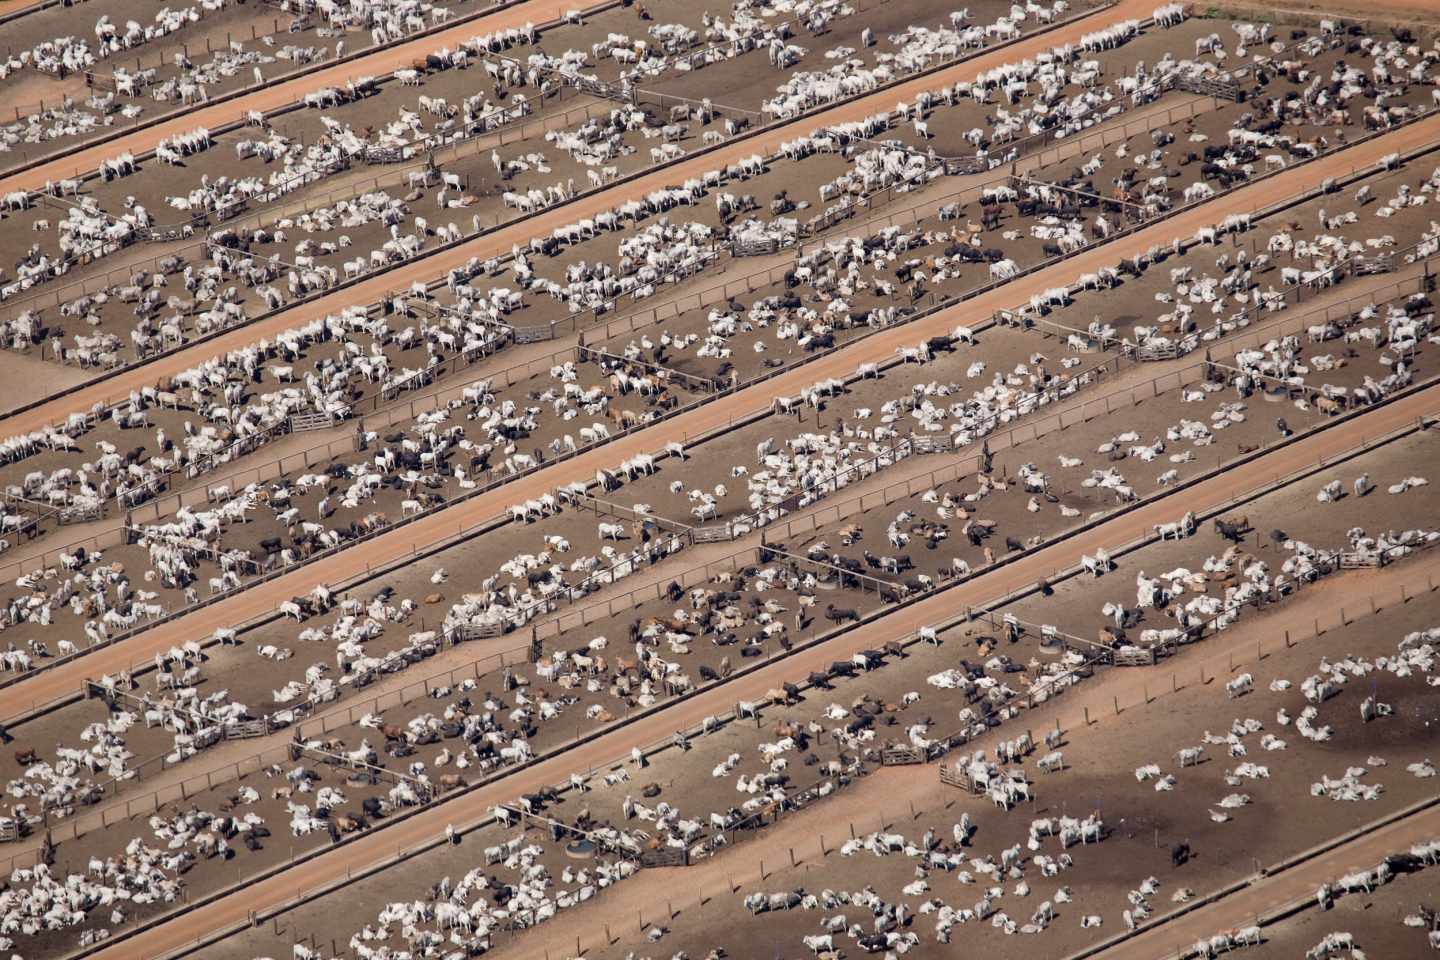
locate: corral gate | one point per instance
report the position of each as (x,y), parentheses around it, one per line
(1359,560)
(755,246)
(925,443)
(479,631)
(79,514)
(711,534)
(1365,266)
(384,155)
(300,422)
(1133,657)
(959,166)
(952,777)
(601,89)
(670,857)
(901,754)
(1209,87)
(532,334)
(1167,351)
(247,729)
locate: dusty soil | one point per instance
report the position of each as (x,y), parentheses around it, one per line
(1096,760)
(1294,510)
(1376,921)
(156,181)
(878,346)
(572,768)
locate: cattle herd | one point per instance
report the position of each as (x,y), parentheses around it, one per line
(463,458)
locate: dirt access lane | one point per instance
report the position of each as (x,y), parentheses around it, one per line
(64,680)
(502,241)
(471,807)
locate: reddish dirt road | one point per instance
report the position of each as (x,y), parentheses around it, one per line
(472,807)
(541,224)
(64,680)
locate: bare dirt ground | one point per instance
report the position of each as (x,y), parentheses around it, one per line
(1116,252)
(545,166)
(264,36)
(331,580)
(919,611)
(419,582)
(1193,708)
(1326,526)
(541,224)
(1377,921)
(252,682)
(1228,851)
(743,359)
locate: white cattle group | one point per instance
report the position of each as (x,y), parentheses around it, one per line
(63,56)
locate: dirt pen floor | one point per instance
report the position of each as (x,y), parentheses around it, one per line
(1377,921)
(155,181)
(1137,816)
(1223,852)
(276,43)
(254,682)
(1094,833)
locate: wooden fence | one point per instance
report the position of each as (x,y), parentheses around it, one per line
(952,776)
(901,754)
(302,422)
(1129,656)
(666,857)
(712,534)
